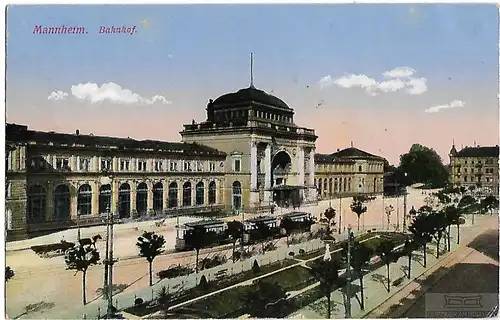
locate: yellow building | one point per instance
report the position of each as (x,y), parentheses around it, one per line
(349,172)
(247,155)
(475,166)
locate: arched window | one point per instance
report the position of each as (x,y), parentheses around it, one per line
(141,199)
(212,193)
(84,200)
(330,186)
(158,197)
(172,195)
(200,193)
(37,200)
(61,203)
(320,186)
(104,198)
(124,200)
(186,194)
(236,195)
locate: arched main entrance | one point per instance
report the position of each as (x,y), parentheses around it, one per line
(280,168)
(236,195)
(141,198)
(104,198)
(173,195)
(158,197)
(124,200)
(61,202)
(37,200)
(84,200)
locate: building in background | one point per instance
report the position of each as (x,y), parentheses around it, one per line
(475,166)
(247,155)
(349,172)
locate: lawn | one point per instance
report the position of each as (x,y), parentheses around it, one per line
(293,279)
(148,308)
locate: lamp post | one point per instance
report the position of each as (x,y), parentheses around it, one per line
(340,215)
(109,261)
(404,209)
(388,211)
(348,278)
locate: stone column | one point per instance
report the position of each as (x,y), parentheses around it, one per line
(114,195)
(193,193)
(301,167)
(133,196)
(150,196)
(254,193)
(180,193)
(312,193)
(267,170)
(205,192)
(165,195)
(49,207)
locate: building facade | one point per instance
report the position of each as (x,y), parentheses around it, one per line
(349,172)
(475,166)
(247,155)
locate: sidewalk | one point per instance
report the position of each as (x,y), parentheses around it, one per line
(376,296)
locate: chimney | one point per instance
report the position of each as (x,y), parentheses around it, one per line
(77,132)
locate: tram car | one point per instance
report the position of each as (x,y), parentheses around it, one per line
(217,227)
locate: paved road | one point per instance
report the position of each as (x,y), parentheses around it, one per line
(478,273)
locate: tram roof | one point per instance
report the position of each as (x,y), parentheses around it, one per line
(261,219)
(204,223)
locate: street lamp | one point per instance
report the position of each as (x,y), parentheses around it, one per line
(109,261)
(405,194)
(348,278)
(388,211)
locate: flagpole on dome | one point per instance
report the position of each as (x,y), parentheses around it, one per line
(251,70)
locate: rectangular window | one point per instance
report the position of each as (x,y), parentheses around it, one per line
(8,190)
(85,164)
(106,164)
(124,165)
(187,166)
(465,170)
(212,166)
(173,165)
(199,166)
(62,164)
(237,165)
(158,165)
(141,165)
(465,179)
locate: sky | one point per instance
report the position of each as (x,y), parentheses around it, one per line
(380,76)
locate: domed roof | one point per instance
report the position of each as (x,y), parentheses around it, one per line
(251,94)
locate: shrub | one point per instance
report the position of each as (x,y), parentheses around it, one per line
(368,231)
(62,246)
(270,246)
(174,272)
(255,267)
(302,251)
(291,253)
(138,301)
(203,285)
(208,263)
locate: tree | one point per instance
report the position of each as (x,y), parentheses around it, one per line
(490,203)
(385,251)
(235,231)
(452,217)
(408,249)
(422,232)
(287,224)
(358,207)
(327,273)
(80,258)
(424,165)
(9,273)
(197,238)
(150,245)
(437,221)
(360,258)
(267,300)
(264,232)
(330,214)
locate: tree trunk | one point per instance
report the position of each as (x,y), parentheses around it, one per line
(150,273)
(84,293)
(409,266)
(388,280)
(358,223)
(458,233)
(449,238)
(234,248)
(329,302)
(197,256)
(362,290)
(437,247)
(425,255)
(287,243)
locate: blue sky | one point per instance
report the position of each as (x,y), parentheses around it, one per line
(202,51)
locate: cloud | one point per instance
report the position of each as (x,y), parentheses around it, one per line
(57,95)
(107,92)
(453,104)
(397,79)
